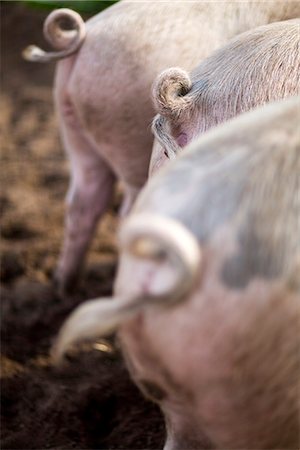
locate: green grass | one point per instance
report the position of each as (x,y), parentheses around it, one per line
(88,6)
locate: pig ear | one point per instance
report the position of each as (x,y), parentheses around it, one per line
(67,41)
(169,90)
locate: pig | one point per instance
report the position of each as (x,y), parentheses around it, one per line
(102,94)
(254,68)
(209,323)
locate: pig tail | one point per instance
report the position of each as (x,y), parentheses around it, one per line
(163,240)
(145,237)
(169,91)
(65,30)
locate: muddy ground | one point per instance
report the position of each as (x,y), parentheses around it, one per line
(90,402)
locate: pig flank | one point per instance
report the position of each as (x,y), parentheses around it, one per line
(254,68)
(102,94)
(222,361)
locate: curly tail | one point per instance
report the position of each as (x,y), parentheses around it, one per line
(65,30)
(144,236)
(169,90)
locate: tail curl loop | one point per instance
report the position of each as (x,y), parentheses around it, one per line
(65,30)
(169,91)
(162,239)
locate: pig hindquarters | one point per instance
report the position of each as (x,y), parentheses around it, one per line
(222,357)
(256,67)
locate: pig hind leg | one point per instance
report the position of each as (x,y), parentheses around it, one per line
(89,193)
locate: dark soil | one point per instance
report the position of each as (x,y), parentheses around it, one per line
(90,402)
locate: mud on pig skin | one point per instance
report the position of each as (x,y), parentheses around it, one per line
(102,93)
(221,358)
(252,69)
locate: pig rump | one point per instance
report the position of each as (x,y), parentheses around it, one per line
(228,357)
(256,67)
(68,40)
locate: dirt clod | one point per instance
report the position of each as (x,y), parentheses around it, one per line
(11,266)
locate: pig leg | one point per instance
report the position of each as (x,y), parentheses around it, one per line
(88,196)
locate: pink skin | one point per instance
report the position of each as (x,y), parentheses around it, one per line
(159,154)
(182,140)
(102,96)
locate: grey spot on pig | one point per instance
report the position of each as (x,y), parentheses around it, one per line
(253,259)
(267,240)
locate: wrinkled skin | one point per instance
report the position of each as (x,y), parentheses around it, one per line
(224,364)
(102,97)
(254,68)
